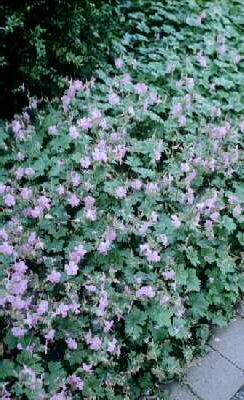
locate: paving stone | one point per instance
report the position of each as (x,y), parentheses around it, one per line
(239,395)
(230,342)
(180,392)
(215,378)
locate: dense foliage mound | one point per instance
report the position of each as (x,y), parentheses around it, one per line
(42,42)
(122,212)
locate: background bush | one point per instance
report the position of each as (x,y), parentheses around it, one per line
(43,42)
(122,211)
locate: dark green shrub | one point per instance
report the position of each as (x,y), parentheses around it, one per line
(45,41)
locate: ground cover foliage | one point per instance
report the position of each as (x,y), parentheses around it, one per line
(122,211)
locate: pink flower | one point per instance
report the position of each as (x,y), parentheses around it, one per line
(85,162)
(104,247)
(208,224)
(59,396)
(36,212)
(121,192)
(152,256)
(170,68)
(96,115)
(175,221)
(143,228)
(73,132)
(110,235)
(19,173)
(73,200)
(219,132)
(50,334)
(140,88)
(89,201)
(6,249)
(66,100)
(237,211)
(222,49)
(119,152)
(182,120)
(177,109)
(113,99)
(146,291)
(9,200)
(75,179)
(119,63)
(95,343)
(103,303)
(44,202)
(214,216)
(20,267)
(190,196)
(29,171)
(154,99)
(190,82)
(84,123)
(232,199)
(152,188)
(71,268)
(112,346)
(76,381)
(16,126)
(242,126)
(99,155)
(3,234)
(237,58)
(2,188)
(61,190)
(54,276)
(201,60)
(71,343)
(5,394)
(108,325)
(26,193)
(17,303)
(184,167)
(169,275)
(42,307)
(157,155)
(90,214)
(18,332)
(17,285)
(87,368)
(52,130)
(136,184)
(126,79)
(78,85)
(31,320)
(75,308)
(191,176)
(62,310)
(91,288)
(78,252)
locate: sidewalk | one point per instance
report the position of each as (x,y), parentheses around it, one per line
(220,375)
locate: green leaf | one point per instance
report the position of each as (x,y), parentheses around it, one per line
(7,369)
(134,323)
(228,223)
(161,316)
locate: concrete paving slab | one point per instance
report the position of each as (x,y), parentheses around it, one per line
(215,378)
(230,342)
(239,395)
(179,391)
